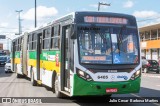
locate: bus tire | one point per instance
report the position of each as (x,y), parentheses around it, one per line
(53,81)
(57,91)
(34,83)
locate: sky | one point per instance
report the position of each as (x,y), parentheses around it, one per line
(147,12)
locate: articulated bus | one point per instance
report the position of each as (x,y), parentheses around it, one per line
(82,54)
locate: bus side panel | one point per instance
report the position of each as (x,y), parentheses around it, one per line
(50,61)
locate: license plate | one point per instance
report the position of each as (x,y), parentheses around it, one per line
(111,90)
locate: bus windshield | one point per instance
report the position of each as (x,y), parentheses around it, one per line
(108,45)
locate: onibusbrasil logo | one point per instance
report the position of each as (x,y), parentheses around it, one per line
(122,76)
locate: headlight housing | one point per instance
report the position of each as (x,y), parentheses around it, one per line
(136,74)
(83,75)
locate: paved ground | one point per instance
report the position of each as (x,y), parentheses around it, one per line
(10,86)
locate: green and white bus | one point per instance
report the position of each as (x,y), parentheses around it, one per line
(81,54)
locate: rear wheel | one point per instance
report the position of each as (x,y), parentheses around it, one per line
(34,83)
(53,81)
(18,75)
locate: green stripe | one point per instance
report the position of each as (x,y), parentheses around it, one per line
(32,54)
(17,54)
(45,54)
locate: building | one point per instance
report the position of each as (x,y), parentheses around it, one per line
(1,46)
(150,41)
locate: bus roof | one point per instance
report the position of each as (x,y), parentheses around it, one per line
(73,15)
(102,13)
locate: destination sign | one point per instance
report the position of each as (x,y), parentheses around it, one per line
(94,58)
(107,20)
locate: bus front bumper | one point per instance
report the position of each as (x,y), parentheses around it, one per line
(87,88)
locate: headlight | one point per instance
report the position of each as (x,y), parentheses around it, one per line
(136,74)
(83,75)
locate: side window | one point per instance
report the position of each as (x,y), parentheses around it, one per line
(55,38)
(16,45)
(46,38)
(34,41)
(29,42)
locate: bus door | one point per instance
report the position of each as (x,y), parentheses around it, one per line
(24,56)
(13,56)
(21,54)
(65,58)
(39,49)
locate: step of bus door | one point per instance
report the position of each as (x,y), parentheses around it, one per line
(66,93)
(66,89)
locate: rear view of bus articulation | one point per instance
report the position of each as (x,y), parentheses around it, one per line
(83,54)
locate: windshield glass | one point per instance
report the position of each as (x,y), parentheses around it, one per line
(108,45)
(3,58)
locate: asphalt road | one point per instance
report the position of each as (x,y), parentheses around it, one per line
(10,86)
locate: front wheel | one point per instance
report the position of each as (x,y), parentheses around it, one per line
(57,89)
(53,81)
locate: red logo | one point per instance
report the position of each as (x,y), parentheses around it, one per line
(57,60)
